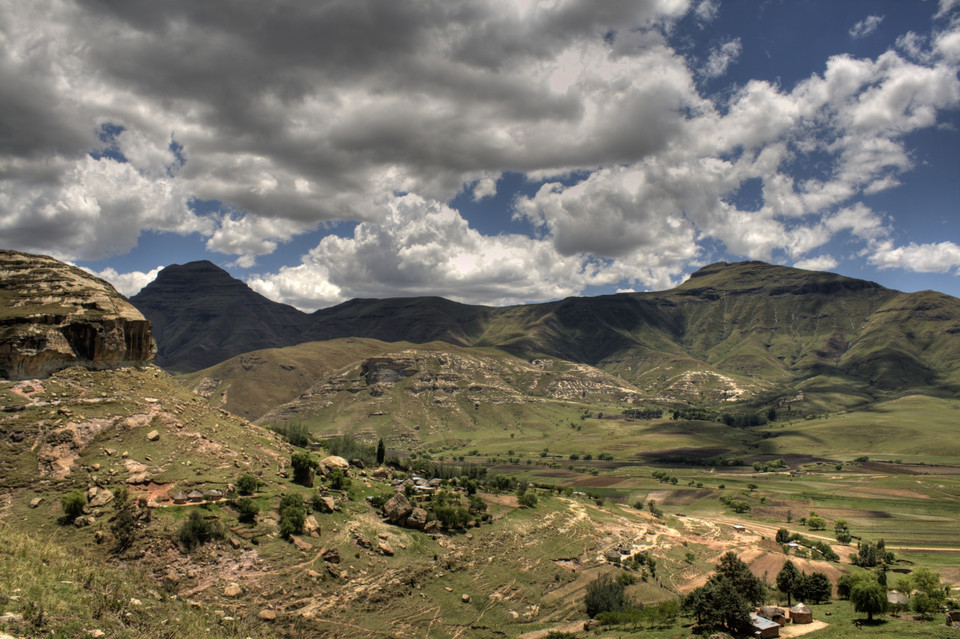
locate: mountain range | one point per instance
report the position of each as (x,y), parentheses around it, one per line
(743,331)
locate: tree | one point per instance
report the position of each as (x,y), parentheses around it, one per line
(816,588)
(718,602)
(746,583)
(247,511)
(783,536)
(842,531)
(247,484)
(381,453)
(293,515)
(196,531)
(868,596)
(73,504)
(787,579)
(124,528)
(816,522)
(302,465)
(605,595)
(338,480)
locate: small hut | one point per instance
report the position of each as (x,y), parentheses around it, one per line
(739,528)
(801,613)
(773,613)
(763,627)
(195,497)
(212,495)
(180,498)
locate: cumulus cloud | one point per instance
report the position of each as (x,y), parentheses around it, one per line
(424,247)
(819,263)
(720,58)
(120,117)
(127,284)
(938,257)
(865,27)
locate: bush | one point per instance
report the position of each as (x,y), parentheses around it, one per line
(293,515)
(605,595)
(73,504)
(294,432)
(247,484)
(338,480)
(302,464)
(124,528)
(527,500)
(197,530)
(247,511)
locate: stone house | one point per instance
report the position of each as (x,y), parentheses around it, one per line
(764,628)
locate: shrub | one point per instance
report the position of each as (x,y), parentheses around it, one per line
(338,480)
(197,530)
(302,465)
(124,528)
(73,504)
(294,432)
(605,595)
(293,515)
(247,511)
(527,500)
(247,484)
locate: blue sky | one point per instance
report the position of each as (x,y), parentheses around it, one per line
(489,151)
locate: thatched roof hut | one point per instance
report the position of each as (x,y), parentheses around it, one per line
(801,613)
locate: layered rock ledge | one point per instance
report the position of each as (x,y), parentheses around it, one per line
(53,315)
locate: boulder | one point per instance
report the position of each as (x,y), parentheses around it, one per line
(331,556)
(233,590)
(382,472)
(327,505)
(385,548)
(35,502)
(397,508)
(268,615)
(102,498)
(335,461)
(417,519)
(465,598)
(153,435)
(310,525)
(300,544)
(357,463)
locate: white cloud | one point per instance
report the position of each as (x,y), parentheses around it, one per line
(423,247)
(946,6)
(707,10)
(326,111)
(866,26)
(920,258)
(720,58)
(127,284)
(819,263)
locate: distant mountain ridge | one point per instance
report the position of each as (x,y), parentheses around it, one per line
(771,326)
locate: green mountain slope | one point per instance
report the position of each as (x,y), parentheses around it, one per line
(740,331)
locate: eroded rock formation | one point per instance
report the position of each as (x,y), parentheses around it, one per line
(53,316)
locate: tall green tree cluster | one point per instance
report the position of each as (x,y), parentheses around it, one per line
(728,596)
(815,587)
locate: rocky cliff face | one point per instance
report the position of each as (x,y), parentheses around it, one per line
(53,315)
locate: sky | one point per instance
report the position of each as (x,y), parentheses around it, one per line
(488,151)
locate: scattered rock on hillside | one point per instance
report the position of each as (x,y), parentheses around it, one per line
(335,461)
(397,509)
(35,502)
(385,548)
(268,615)
(232,590)
(327,505)
(153,435)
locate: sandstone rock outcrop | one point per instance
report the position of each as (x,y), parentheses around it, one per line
(53,316)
